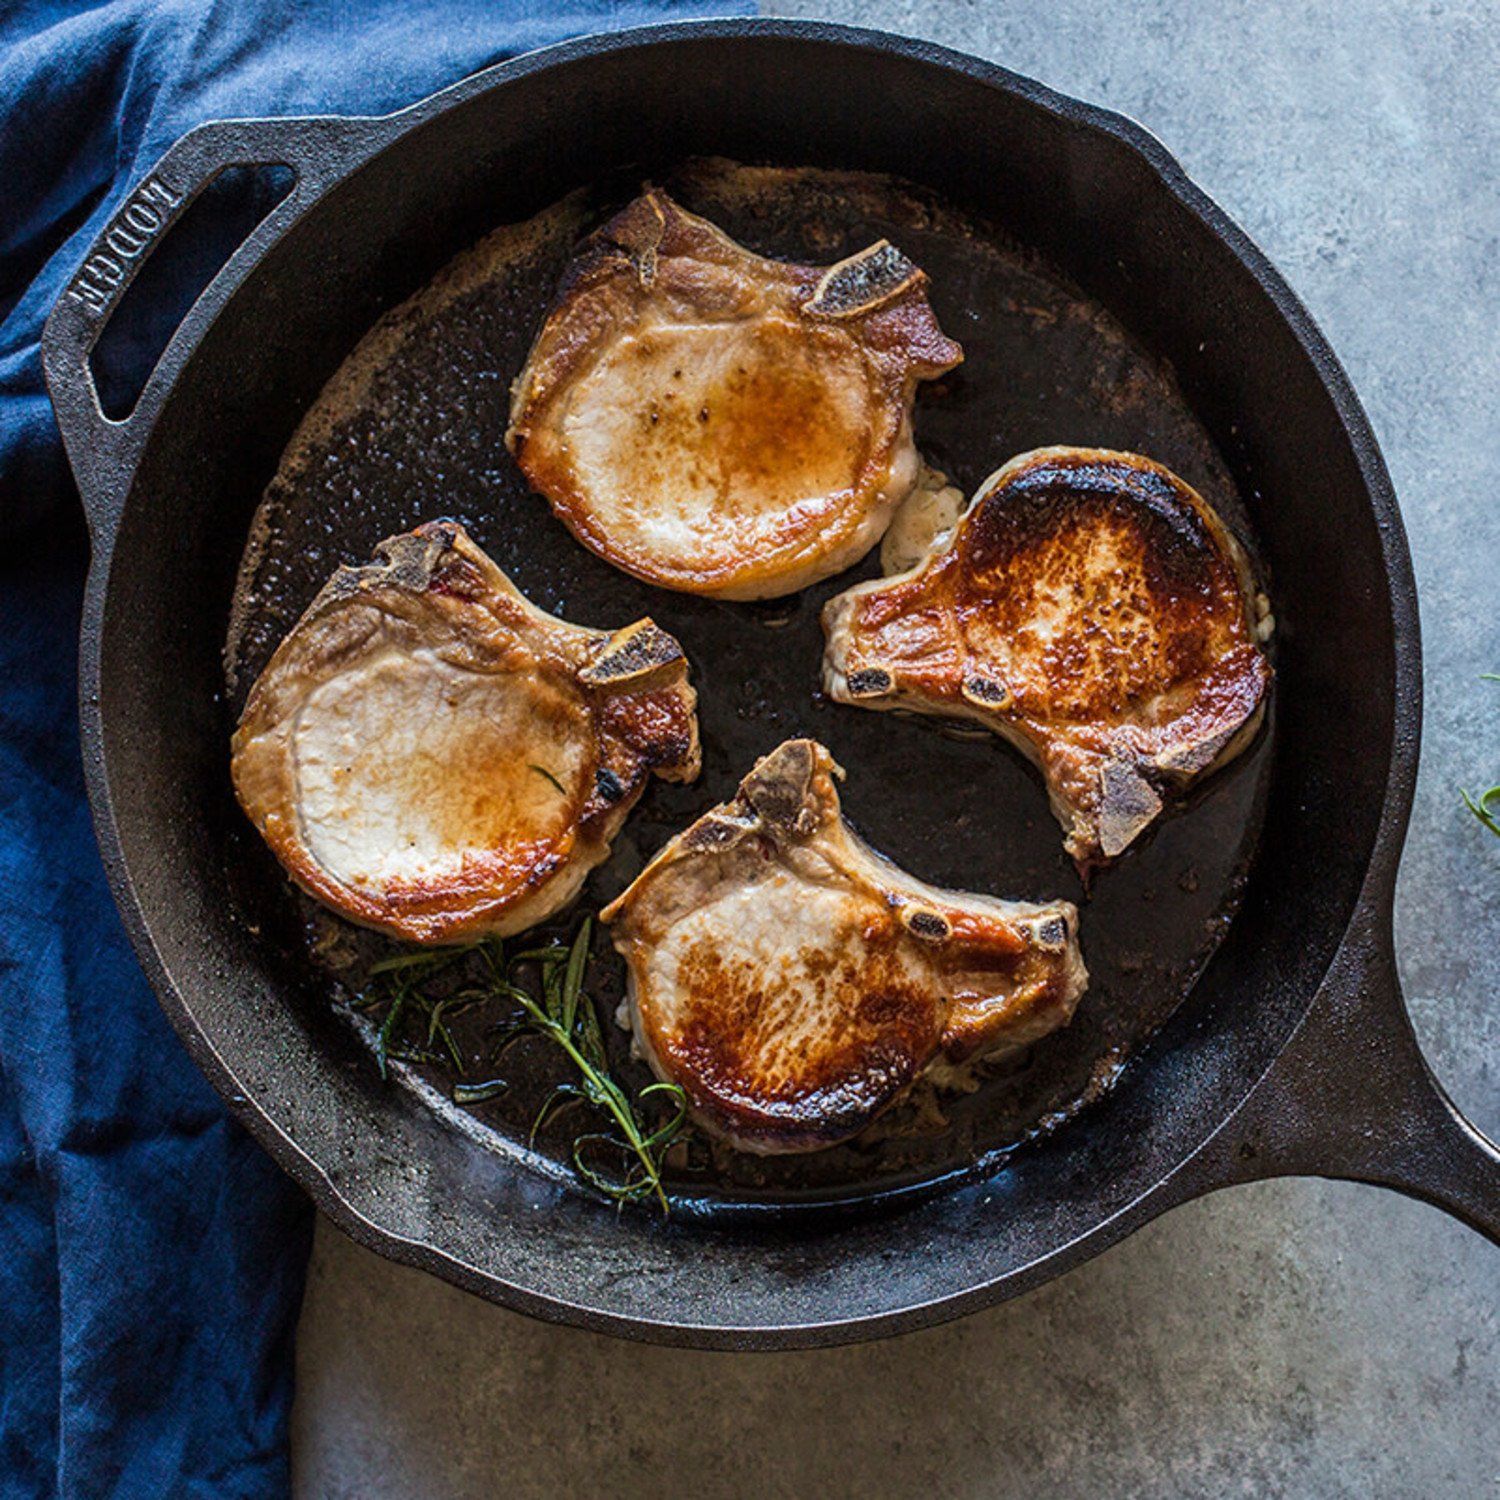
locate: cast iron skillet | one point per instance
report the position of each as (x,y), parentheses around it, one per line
(1293,1052)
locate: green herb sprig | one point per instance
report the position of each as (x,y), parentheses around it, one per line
(543,771)
(399,982)
(566,1017)
(563,1014)
(1486,806)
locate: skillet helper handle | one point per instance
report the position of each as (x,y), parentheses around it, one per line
(1352,1097)
(104,451)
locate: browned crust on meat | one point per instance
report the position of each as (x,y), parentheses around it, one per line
(907,977)
(656,255)
(627,693)
(1091,607)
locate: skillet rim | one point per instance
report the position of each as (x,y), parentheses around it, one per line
(371,135)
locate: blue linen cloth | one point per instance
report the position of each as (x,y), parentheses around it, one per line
(151,1257)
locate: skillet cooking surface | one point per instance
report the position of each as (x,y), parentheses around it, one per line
(412,429)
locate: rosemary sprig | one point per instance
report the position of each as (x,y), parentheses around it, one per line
(1481,808)
(564,1014)
(477,1093)
(1486,806)
(397,981)
(566,1017)
(543,771)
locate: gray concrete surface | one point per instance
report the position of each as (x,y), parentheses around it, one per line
(1295,1338)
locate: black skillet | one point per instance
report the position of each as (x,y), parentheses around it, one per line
(1154,323)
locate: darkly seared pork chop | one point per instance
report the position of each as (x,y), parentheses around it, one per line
(1090,607)
(719,423)
(794,983)
(430,754)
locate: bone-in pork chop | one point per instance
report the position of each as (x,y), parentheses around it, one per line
(430,754)
(795,983)
(1090,607)
(719,423)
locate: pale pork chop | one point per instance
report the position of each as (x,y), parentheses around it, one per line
(719,423)
(1090,607)
(795,983)
(429,754)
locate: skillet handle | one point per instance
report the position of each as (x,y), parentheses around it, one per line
(1352,1097)
(104,451)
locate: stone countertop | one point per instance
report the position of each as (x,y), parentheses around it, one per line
(1290,1338)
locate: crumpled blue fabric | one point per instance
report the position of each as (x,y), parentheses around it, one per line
(151,1257)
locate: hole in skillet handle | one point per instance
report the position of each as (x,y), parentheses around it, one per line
(191,253)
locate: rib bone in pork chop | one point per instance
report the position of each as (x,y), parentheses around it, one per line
(430,754)
(794,983)
(719,423)
(1090,607)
